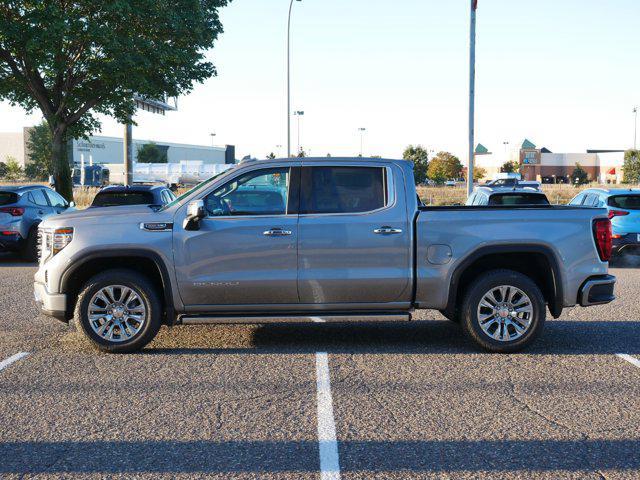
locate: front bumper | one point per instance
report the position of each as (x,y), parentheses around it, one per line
(51,304)
(597,290)
(627,243)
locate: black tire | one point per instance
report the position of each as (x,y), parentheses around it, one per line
(146,292)
(474,295)
(30,248)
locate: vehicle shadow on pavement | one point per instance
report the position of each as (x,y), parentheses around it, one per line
(561,337)
(12,260)
(203,456)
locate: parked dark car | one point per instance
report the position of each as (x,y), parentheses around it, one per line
(493,196)
(21,211)
(118,195)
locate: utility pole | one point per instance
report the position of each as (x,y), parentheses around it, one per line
(128,154)
(289,80)
(472,93)
(212,135)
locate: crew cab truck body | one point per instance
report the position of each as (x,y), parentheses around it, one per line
(341,239)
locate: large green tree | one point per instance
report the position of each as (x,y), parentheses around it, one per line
(631,166)
(151,153)
(73,60)
(39,152)
(510,167)
(419,156)
(444,166)
(579,175)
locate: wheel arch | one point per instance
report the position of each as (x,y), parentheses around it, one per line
(523,258)
(142,261)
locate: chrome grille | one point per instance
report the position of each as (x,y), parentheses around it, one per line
(45,240)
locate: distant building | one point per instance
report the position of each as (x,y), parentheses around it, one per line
(603,166)
(110,150)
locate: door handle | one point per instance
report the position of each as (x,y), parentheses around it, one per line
(277,232)
(387,231)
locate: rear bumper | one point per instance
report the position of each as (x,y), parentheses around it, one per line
(597,290)
(51,304)
(10,243)
(628,243)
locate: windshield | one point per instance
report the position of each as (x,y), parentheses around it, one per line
(628,202)
(195,189)
(518,199)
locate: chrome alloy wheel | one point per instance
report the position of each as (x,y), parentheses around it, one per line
(116,313)
(505,313)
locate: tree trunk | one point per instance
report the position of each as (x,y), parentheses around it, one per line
(61,170)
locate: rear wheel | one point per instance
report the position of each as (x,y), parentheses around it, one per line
(119,311)
(503,311)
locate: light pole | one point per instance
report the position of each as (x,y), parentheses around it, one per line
(212,135)
(635,129)
(289,79)
(361,130)
(298,113)
(472,93)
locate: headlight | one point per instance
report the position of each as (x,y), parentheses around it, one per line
(61,238)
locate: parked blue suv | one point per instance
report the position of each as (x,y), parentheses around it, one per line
(21,210)
(623,205)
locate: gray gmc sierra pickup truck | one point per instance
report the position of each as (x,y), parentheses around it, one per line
(341,239)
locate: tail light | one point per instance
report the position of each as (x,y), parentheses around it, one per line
(602,235)
(13,211)
(617,213)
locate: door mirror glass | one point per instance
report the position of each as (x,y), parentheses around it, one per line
(72,204)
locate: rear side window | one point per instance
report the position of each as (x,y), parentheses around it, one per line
(628,202)
(114,199)
(518,199)
(7,198)
(342,189)
(37,197)
(577,200)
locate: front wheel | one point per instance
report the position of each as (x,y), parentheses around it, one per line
(119,311)
(503,311)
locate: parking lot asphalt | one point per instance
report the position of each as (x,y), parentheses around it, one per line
(403,400)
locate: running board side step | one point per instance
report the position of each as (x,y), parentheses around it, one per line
(333,318)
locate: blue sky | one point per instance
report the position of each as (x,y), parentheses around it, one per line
(564,73)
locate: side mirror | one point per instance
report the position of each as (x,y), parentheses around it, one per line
(72,205)
(195,212)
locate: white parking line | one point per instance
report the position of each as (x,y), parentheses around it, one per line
(12,359)
(329,460)
(629,358)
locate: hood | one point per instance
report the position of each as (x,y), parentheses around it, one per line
(105,216)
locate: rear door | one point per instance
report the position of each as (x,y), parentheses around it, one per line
(42,207)
(355,239)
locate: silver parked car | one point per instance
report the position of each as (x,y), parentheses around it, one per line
(343,239)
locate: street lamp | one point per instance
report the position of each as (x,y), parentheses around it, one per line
(635,129)
(361,130)
(212,135)
(289,79)
(298,113)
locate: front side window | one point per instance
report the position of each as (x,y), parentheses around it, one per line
(261,192)
(55,199)
(577,200)
(342,189)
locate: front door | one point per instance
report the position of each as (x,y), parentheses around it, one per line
(245,252)
(355,238)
